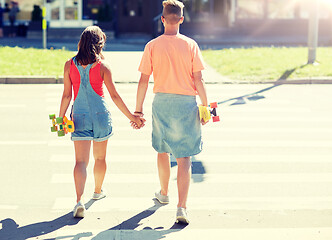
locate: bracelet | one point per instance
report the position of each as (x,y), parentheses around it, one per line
(138,113)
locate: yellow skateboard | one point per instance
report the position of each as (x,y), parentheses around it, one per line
(61,125)
(205,113)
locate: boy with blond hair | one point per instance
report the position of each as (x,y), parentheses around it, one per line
(176,63)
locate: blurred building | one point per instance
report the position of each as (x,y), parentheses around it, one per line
(201,16)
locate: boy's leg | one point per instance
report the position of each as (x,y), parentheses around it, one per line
(164,170)
(82,153)
(99,170)
(183,180)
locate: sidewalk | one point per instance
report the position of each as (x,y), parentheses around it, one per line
(124,55)
(124,66)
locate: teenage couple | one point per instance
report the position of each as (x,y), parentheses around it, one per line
(176,63)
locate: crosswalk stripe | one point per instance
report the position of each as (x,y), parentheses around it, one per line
(214,143)
(265,110)
(211,178)
(13,105)
(199,203)
(149,156)
(8,207)
(28,142)
(273,233)
(212,128)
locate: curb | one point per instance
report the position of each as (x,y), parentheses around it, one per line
(302,81)
(279,82)
(55,80)
(30,80)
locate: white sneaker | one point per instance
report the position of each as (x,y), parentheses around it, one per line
(79,210)
(98,196)
(161,198)
(181,216)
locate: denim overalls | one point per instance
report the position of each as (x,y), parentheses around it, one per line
(90,114)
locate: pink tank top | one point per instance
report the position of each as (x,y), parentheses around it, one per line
(96,80)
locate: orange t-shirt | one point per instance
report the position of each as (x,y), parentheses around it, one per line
(172,59)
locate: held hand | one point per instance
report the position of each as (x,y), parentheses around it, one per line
(203,114)
(138,122)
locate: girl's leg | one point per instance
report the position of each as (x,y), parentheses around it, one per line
(164,170)
(82,153)
(183,180)
(99,170)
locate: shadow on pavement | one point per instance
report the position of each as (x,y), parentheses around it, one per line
(11,230)
(255,96)
(126,229)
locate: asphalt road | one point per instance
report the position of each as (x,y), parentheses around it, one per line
(265,171)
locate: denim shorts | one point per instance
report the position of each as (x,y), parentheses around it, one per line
(176,128)
(97,128)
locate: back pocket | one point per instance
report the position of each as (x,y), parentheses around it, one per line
(104,119)
(79,121)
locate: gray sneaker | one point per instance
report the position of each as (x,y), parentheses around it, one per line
(162,198)
(98,196)
(79,210)
(181,216)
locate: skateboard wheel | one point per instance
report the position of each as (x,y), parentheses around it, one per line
(52,116)
(70,128)
(59,120)
(54,129)
(215,119)
(61,133)
(214,105)
(214,112)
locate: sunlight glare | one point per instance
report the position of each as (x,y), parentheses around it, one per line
(327,1)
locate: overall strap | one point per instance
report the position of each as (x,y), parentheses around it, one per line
(84,72)
(79,66)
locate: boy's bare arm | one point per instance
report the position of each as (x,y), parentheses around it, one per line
(141,92)
(200,86)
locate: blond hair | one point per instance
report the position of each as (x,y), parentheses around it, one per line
(173,11)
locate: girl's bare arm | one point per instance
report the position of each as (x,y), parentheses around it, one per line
(67,90)
(107,76)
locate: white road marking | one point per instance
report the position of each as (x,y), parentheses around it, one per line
(149,156)
(216,143)
(210,178)
(23,143)
(204,203)
(13,105)
(8,207)
(203,233)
